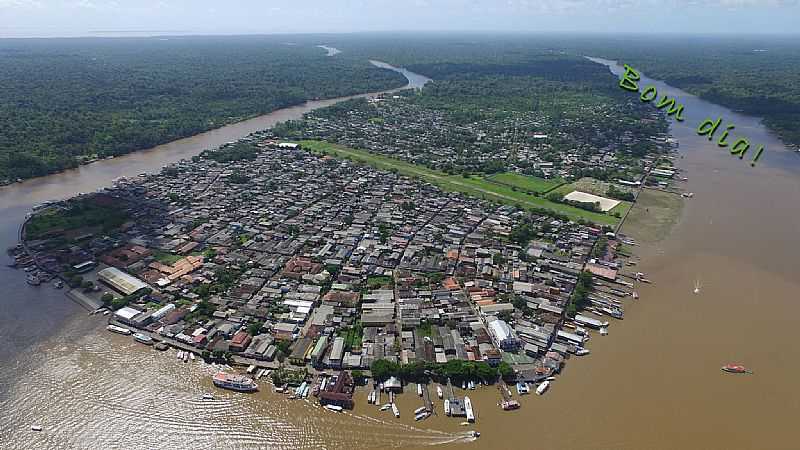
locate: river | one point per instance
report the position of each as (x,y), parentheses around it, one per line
(653,383)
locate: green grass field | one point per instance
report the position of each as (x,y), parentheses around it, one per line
(525,182)
(473,185)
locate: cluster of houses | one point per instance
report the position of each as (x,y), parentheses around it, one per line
(284,255)
(592,139)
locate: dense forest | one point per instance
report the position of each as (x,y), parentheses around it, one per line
(64,101)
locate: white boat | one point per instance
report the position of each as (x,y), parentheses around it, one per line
(439,391)
(251,368)
(335,408)
(603,331)
(120,330)
(582,351)
(419,410)
(180,354)
(36,428)
(395,410)
(386,406)
(542,388)
(522,388)
(463,385)
(447,407)
(191,356)
(422,415)
(472,385)
(143,338)
(186,356)
(468,409)
(208,396)
(306,390)
(419,389)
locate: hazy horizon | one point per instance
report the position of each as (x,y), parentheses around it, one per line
(73,18)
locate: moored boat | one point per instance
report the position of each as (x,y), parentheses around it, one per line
(238,383)
(447,407)
(335,408)
(439,391)
(143,339)
(395,410)
(120,330)
(36,428)
(208,396)
(386,406)
(468,409)
(542,388)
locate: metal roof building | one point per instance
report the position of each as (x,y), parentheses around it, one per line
(121,281)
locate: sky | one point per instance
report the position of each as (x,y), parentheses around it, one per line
(47,18)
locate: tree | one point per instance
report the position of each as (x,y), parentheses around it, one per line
(382,369)
(107,298)
(254,328)
(505,371)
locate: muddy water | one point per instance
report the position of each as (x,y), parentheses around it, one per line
(653,383)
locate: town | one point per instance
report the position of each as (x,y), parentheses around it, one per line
(263,254)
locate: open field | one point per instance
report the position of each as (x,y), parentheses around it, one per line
(606,204)
(475,186)
(526,182)
(653,216)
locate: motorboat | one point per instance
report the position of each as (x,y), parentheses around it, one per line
(36,428)
(522,388)
(469,410)
(335,408)
(447,407)
(439,391)
(734,368)
(386,407)
(582,351)
(542,388)
(603,331)
(143,339)
(419,410)
(208,396)
(395,410)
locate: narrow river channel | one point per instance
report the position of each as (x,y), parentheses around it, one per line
(653,383)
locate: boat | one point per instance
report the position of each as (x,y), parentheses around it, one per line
(419,389)
(238,383)
(422,415)
(251,369)
(386,406)
(464,424)
(542,388)
(509,405)
(33,280)
(468,409)
(395,410)
(734,368)
(58,284)
(143,339)
(180,354)
(635,295)
(186,356)
(419,410)
(582,351)
(475,434)
(36,428)
(603,331)
(120,330)
(306,390)
(439,391)
(335,408)
(696,287)
(208,396)
(522,388)
(371,397)
(463,385)
(191,356)
(471,385)
(447,407)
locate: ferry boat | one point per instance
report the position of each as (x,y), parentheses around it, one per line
(143,339)
(468,409)
(335,408)
(120,330)
(542,388)
(439,391)
(734,368)
(234,382)
(395,410)
(447,407)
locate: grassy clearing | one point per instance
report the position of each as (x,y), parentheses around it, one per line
(653,216)
(526,183)
(474,186)
(167,258)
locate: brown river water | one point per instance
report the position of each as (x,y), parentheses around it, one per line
(653,383)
